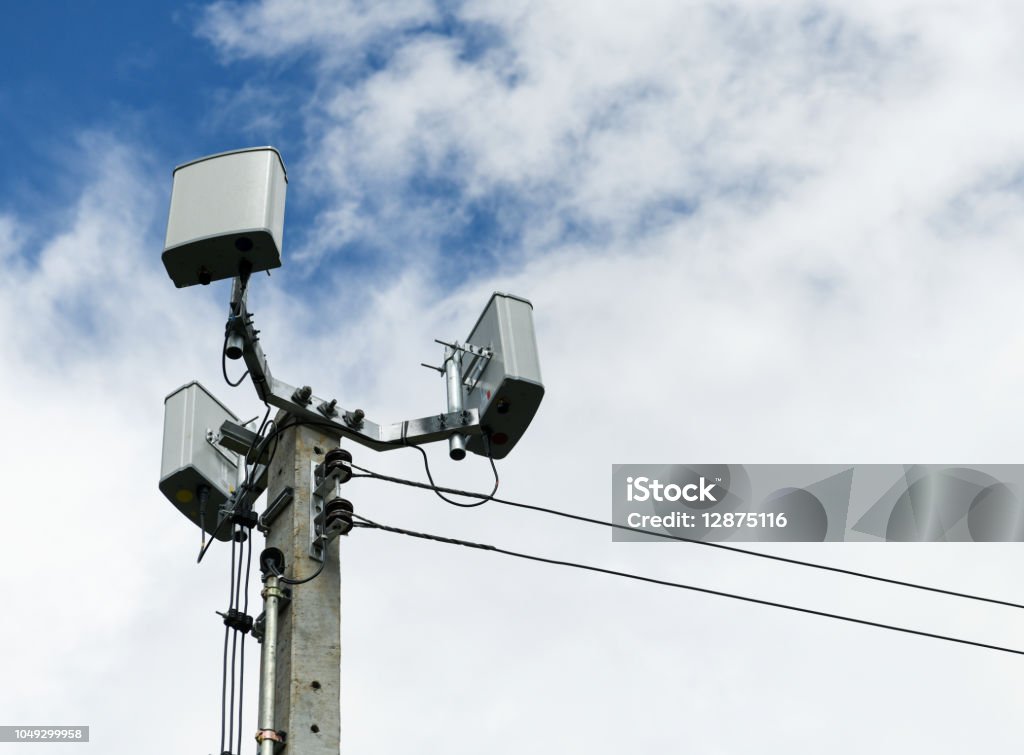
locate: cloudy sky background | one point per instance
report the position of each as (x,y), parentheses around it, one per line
(752,232)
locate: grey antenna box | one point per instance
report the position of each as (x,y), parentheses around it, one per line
(508,391)
(226,210)
(190,459)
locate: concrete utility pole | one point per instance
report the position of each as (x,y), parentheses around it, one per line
(308,644)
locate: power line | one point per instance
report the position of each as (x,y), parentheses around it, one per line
(437,489)
(224,667)
(245,613)
(235,625)
(426,465)
(234,634)
(366,523)
(223,689)
(668,536)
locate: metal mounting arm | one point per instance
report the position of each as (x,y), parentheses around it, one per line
(243,341)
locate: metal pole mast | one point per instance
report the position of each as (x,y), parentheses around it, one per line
(302,700)
(267,734)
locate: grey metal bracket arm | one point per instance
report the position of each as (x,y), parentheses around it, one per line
(302,403)
(243,340)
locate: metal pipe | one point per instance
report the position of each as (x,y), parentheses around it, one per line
(453,377)
(267,734)
(235,346)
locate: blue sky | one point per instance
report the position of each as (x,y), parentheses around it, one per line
(753,232)
(134,70)
(146,74)
(75,66)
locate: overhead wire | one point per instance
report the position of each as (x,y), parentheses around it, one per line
(241,667)
(274,435)
(426,465)
(223,688)
(240,596)
(224,665)
(369,524)
(234,635)
(367,473)
(483,498)
(292,581)
(263,438)
(237,600)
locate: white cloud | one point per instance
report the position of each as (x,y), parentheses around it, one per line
(757,232)
(94,337)
(752,232)
(586,118)
(336,29)
(10,238)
